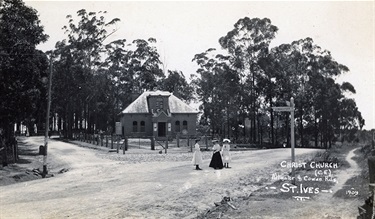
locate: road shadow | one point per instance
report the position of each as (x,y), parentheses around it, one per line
(26,168)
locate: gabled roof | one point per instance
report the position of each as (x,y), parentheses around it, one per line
(176,105)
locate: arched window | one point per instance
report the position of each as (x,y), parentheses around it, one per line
(177,126)
(185,125)
(143,129)
(135,126)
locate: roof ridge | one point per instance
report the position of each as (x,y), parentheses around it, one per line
(176,105)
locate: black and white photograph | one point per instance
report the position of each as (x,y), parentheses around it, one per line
(187,109)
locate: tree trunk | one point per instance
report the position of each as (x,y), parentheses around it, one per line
(316,131)
(301,129)
(272,128)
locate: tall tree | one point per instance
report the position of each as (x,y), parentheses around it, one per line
(22,66)
(131,68)
(145,64)
(217,86)
(246,44)
(176,83)
(78,59)
(205,86)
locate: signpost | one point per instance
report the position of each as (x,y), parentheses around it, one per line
(118,134)
(291,110)
(118,128)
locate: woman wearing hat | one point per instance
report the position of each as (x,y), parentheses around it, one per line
(216,161)
(197,156)
(225,153)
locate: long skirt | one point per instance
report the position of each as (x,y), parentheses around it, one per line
(216,161)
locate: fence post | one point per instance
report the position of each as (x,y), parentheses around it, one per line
(206,141)
(106,141)
(371,167)
(125,144)
(111,141)
(178,140)
(118,143)
(152,143)
(166,145)
(189,145)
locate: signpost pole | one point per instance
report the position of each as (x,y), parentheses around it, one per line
(292,137)
(291,110)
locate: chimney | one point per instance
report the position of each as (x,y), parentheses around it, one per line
(134,95)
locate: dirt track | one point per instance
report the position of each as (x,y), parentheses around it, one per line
(106,185)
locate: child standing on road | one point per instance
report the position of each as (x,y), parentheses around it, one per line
(197,156)
(225,153)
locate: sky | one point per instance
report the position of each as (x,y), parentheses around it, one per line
(185,28)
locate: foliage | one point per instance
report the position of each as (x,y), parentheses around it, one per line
(237,86)
(22,66)
(267,77)
(176,83)
(99,77)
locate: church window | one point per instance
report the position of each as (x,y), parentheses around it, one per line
(135,126)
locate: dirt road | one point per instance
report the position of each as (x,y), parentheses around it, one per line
(96,185)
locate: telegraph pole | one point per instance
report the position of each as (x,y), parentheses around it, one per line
(45,171)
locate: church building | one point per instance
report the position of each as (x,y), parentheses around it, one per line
(159,114)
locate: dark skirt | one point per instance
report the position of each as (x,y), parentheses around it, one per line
(216,161)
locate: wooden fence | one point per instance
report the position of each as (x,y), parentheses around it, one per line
(367,211)
(116,142)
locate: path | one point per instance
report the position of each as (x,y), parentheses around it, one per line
(343,208)
(98,186)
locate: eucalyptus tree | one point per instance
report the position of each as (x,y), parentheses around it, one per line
(228,86)
(22,66)
(246,44)
(306,72)
(326,94)
(77,60)
(120,82)
(277,83)
(205,86)
(267,81)
(145,64)
(217,87)
(176,82)
(131,68)
(311,73)
(350,119)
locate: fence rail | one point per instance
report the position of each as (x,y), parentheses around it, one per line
(118,142)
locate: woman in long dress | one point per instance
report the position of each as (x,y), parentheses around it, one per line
(216,161)
(225,153)
(197,156)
